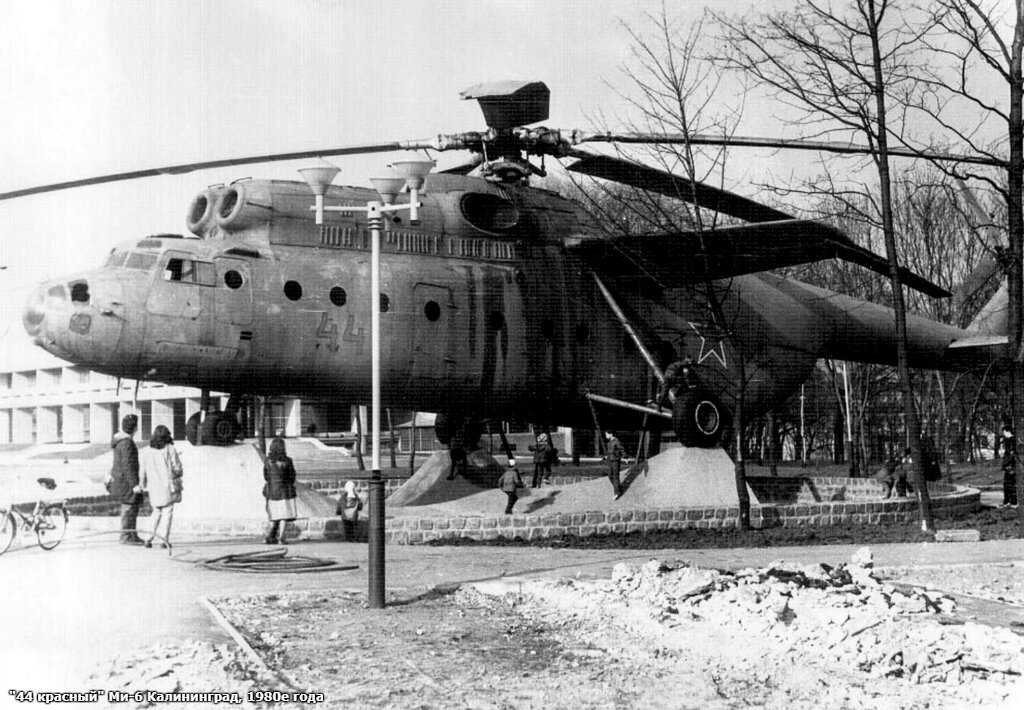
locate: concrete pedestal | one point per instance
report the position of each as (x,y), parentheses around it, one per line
(430,484)
(226,483)
(684,477)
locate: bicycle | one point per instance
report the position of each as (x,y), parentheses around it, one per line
(48,521)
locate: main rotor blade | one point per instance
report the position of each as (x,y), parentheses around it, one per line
(780,143)
(742,249)
(205,165)
(629,173)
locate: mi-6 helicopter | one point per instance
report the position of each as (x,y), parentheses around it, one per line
(504,302)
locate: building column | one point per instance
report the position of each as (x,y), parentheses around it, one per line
(100,422)
(293,417)
(162,412)
(74,416)
(567,440)
(21,426)
(5,426)
(47,425)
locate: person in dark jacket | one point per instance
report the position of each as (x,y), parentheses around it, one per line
(615,453)
(510,483)
(542,456)
(279,490)
(1009,443)
(459,456)
(123,480)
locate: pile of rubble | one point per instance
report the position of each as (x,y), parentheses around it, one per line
(844,610)
(839,625)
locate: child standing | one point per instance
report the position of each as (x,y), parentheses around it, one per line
(510,482)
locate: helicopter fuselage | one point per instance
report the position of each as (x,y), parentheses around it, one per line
(487,310)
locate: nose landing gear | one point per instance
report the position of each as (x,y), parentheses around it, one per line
(218,428)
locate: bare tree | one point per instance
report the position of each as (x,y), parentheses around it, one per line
(972,42)
(670,91)
(835,68)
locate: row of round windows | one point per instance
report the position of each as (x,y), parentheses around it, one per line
(431,309)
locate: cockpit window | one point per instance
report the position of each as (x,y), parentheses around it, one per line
(140,261)
(190,271)
(116,258)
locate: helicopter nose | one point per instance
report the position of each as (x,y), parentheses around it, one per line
(34,317)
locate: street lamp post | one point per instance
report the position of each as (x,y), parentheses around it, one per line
(411,174)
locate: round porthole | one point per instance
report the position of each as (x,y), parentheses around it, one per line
(496,320)
(385,303)
(233,279)
(293,290)
(338,296)
(432,310)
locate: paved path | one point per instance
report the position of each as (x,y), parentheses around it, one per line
(62,612)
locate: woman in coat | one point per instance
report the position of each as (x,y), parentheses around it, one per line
(279,473)
(160,475)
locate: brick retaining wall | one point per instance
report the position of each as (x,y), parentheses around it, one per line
(863,506)
(411,529)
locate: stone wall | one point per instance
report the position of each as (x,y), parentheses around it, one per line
(862,506)
(412,529)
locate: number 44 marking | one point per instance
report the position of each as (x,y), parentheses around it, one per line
(328,330)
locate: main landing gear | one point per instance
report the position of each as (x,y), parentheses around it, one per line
(698,418)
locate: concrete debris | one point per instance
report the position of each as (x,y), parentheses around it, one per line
(957,535)
(840,617)
(183,667)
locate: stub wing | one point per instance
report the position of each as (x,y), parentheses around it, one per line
(682,258)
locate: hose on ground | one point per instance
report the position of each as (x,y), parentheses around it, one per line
(273,561)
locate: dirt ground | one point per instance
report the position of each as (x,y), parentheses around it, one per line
(663,635)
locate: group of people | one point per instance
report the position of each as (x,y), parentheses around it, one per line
(280,492)
(544,454)
(155,471)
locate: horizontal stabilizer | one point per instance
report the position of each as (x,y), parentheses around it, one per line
(976,350)
(980,341)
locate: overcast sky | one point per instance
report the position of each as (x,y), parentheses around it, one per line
(106,86)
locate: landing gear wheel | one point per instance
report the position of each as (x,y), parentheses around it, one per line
(8,530)
(192,429)
(219,429)
(225,429)
(446,426)
(50,526)
(698,419)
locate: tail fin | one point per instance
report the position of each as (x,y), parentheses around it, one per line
(993,317)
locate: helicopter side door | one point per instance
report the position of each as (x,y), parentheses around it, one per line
(179,300)
(434,357)
(234,291)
